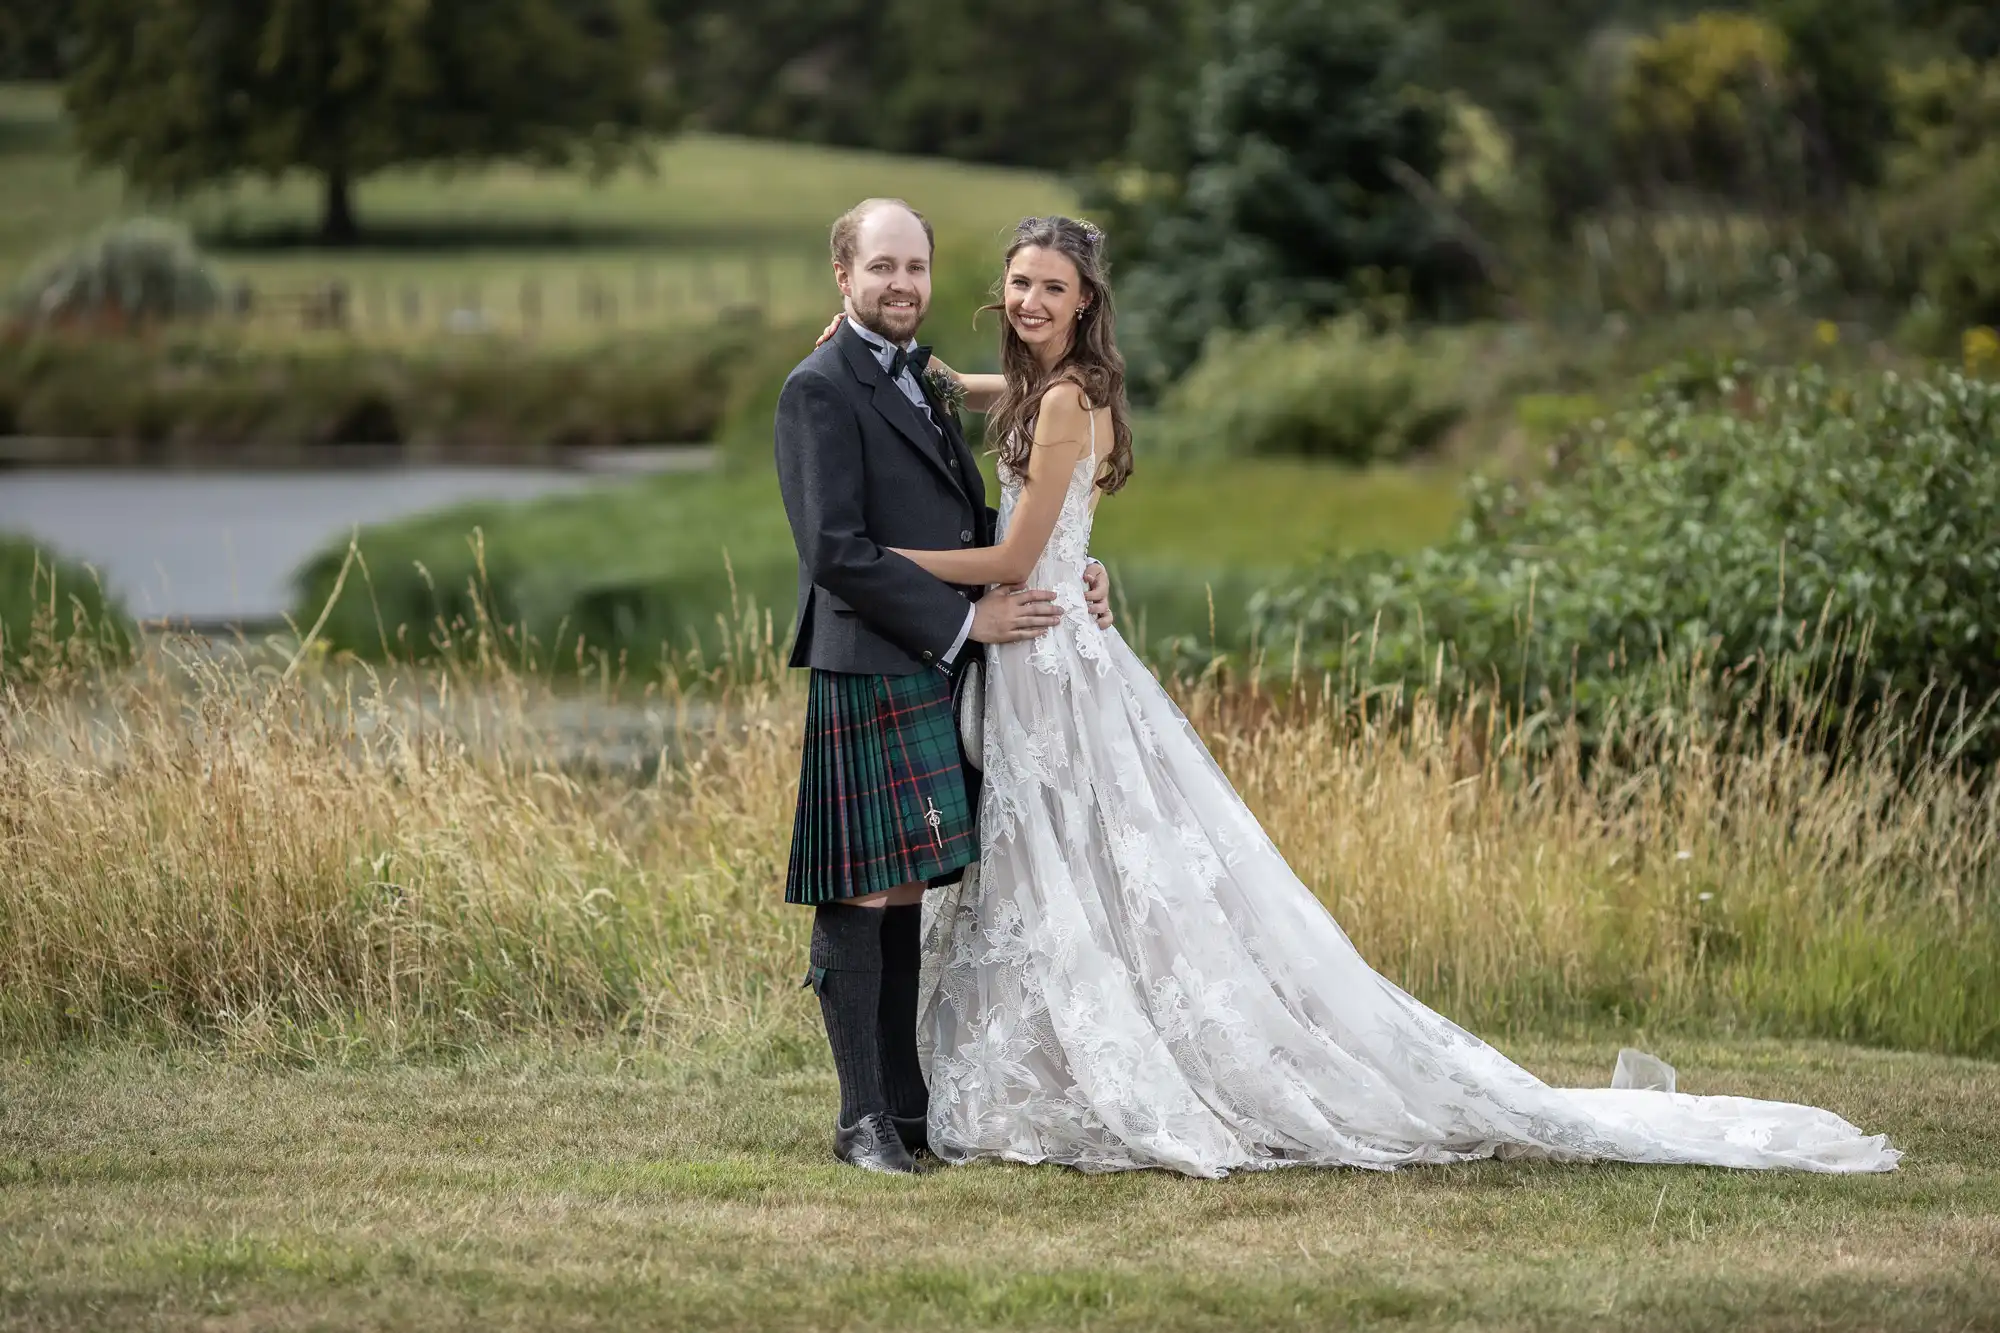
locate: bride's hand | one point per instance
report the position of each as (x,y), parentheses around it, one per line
(832,328)
(1097,594)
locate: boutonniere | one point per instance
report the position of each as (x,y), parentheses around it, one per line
(947,388)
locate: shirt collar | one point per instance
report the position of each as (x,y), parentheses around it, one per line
(882,347)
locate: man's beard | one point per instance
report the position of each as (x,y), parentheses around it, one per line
(877,321)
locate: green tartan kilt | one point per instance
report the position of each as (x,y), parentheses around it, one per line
(883,796)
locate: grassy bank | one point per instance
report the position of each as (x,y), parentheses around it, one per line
(54,614)
(525,1188)
(630,568)
(342,871)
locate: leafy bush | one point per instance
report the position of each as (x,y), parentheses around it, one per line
(1944,204)
(1779,109)
(224,391)
(745,431)
(1955,218)
(55,612)
(139,271)
(1963,281)
(1275,184)
(1702,103)
(1731,526)
(1945,111)
(1339,393)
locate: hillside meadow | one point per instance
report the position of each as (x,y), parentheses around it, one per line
(669,246)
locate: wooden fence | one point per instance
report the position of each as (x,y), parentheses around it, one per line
(595,299)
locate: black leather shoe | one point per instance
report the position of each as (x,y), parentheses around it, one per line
(872,1144)
(914,1131)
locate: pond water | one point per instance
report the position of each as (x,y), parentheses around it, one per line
(219,548)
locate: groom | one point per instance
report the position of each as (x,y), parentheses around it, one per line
(870,458)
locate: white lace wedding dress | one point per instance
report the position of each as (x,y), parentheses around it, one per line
(1133,977)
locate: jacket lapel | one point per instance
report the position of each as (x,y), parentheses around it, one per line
(899,411)
(969,479)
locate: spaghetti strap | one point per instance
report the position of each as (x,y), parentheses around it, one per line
(1095,493)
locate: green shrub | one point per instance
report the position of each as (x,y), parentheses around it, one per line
(54,612)
(1703,103)
(1338,393)
(1946,111)
(1784,108)
(1958,213)
(1963,282)
(1272,183)
(1730,527)
(744,433)
(223,390)
(138,271)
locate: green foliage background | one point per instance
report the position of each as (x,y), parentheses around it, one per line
(1266,192)
(179,95)
(1835,531)
(54,611)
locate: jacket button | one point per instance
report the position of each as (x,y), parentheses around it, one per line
(965,536)
(929,655)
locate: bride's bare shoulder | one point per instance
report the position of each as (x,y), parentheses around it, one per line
(1061,411)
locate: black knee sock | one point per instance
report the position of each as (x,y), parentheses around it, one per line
(847,974)
(902,959)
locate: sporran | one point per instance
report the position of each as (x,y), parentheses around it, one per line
(968,701)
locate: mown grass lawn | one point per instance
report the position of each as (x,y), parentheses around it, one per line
(524,1188)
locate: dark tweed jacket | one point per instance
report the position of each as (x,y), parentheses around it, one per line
(861,471)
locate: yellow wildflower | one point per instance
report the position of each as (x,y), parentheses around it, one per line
(1981,348)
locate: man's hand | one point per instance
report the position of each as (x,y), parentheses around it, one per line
(1097,593)
(1011,615)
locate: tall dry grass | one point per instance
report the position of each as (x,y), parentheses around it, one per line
(294,859)
(1683,875)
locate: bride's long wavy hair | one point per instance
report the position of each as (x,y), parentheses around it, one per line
(1093,360)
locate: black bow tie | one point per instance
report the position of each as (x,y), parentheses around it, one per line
(915,359)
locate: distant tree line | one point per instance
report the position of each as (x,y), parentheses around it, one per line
(33,37)
(1259,161)
(1039,83)
(178,93)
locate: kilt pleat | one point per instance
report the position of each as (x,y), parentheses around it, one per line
(882,789)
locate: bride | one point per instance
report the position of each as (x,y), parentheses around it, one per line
(1134,977)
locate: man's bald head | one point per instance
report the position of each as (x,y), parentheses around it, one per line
(847,227)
